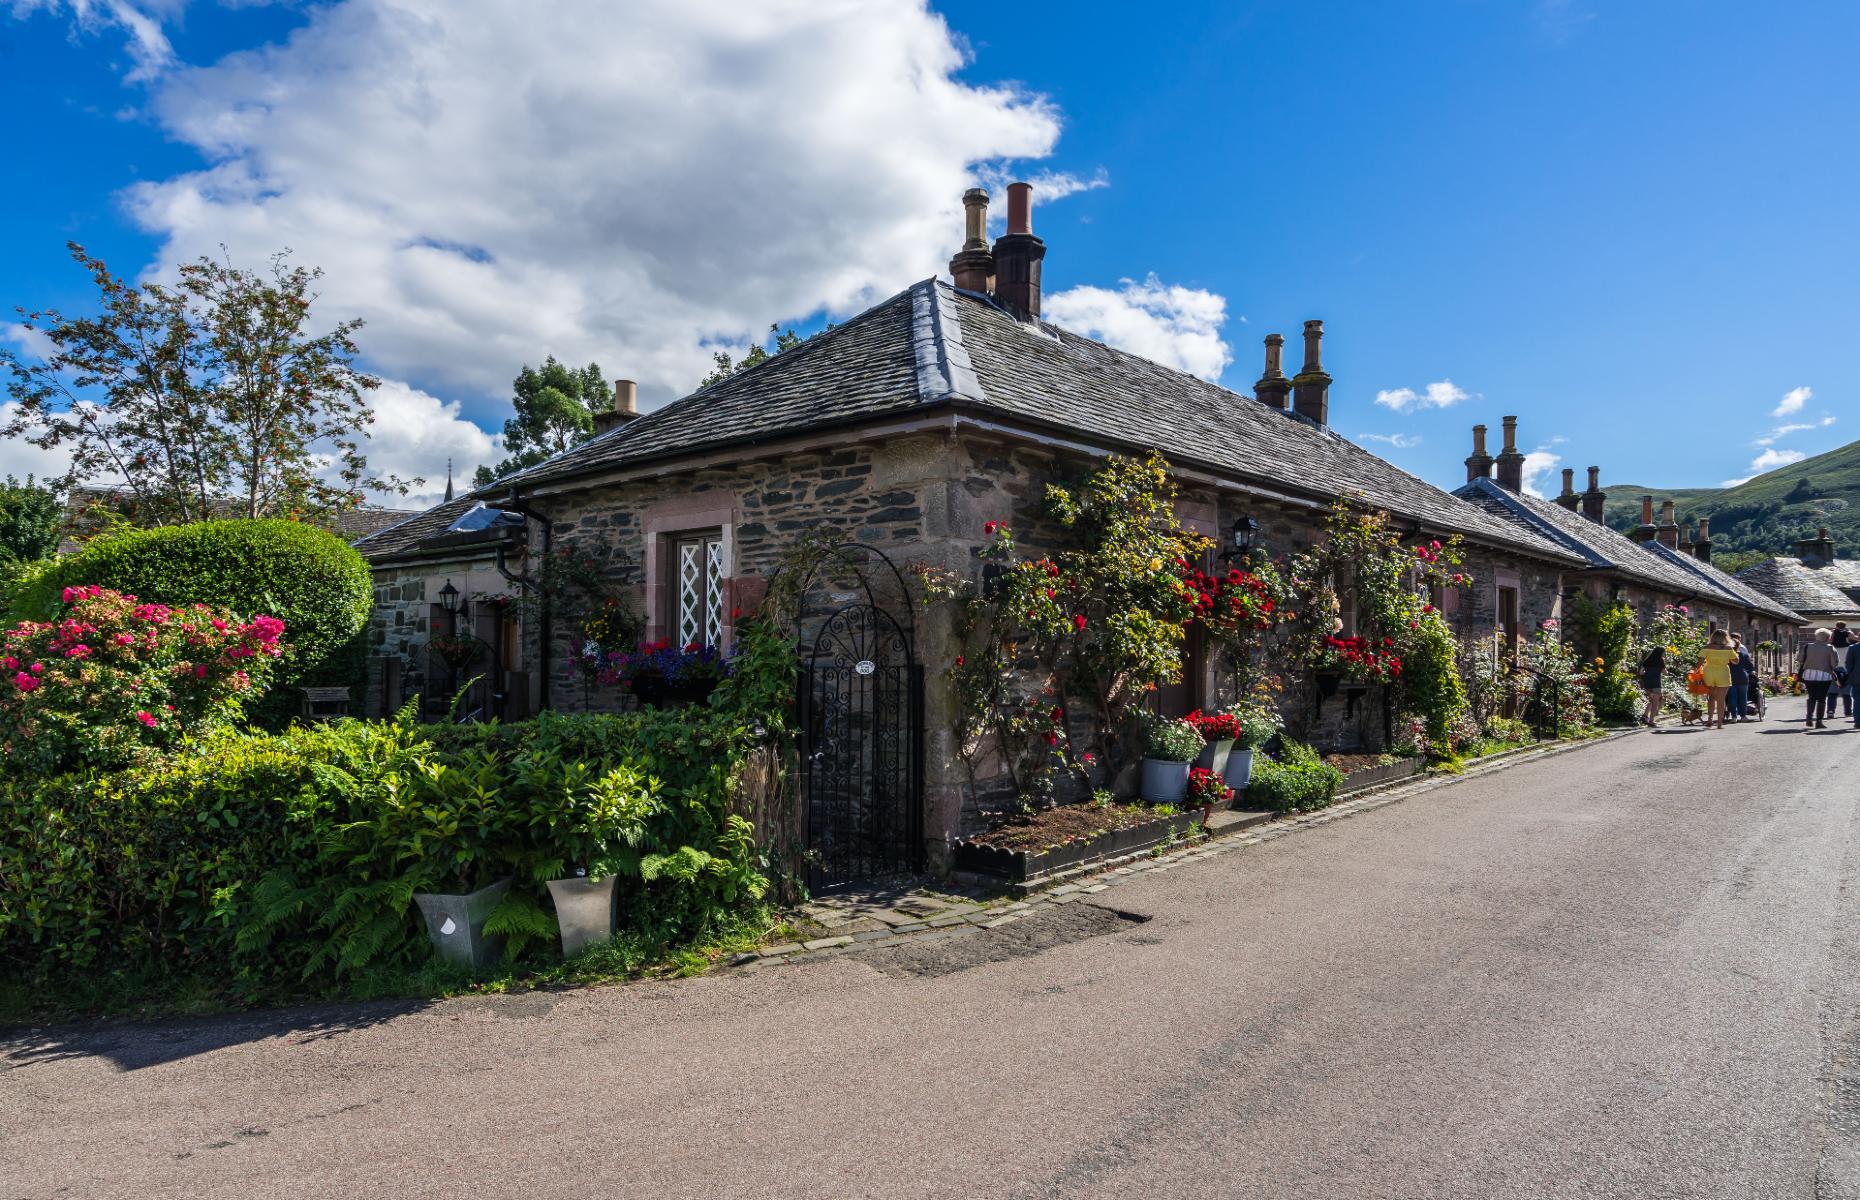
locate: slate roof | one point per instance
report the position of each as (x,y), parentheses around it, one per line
(1822,591)
(407,534)
(1603,548)
(1748,596)
(933,347)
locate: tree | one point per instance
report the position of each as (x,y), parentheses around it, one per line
(30,516)
(201,396)
(725,366)
(555,409)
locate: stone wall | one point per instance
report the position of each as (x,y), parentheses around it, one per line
(399,627)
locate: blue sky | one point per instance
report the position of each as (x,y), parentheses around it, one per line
(1633,225)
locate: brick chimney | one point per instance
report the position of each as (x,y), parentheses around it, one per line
(1595,500)
(1478,463)
(1568,498)
(1311,386)
(1646,530)
(1017,257)
(1273,387)
(625,409)
(973,267)
(1817,551)
(1668,529)
(1701,545)
(1510,462)
(1685,538)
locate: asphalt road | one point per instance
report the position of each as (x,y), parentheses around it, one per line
(1626,971)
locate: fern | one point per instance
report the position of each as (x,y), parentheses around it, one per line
(520,920)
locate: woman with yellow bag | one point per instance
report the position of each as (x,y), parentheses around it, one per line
(1713,676)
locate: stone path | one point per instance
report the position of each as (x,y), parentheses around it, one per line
(894,915)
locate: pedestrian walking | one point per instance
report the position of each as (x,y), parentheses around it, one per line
(1816,668)
(1716,662)
(1852,665)
(1743,678)
(1845,681)
(1652,677)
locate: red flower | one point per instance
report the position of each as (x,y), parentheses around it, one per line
(960,660)
(146,718)
(1078,621)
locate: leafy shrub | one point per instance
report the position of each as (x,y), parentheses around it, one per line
(1297,780)
(278,862)
(318,586)
(111,677)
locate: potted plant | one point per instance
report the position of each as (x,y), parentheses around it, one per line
(661,674)
(455,922)
(1206,789)
(1170,745)
(1218,731)
(598,823)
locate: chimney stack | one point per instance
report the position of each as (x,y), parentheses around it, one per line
(1311,387)
(1701,545)
(973,267)
(1645,533)
(1595,500)
(1273,387)
(1478,463)
(1685,539)
(625,409)
(1017,257)
(1569,499)
(1510,462)
(1668,529)
(1817,551)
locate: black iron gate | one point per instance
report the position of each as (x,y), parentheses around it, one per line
(862,699)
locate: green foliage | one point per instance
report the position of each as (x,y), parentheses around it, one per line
(217,393)
(555,409)
(1555,686)
(1297,780)
(1610,632)
(723,365)
(1171,740)
(284,864)
(1684,637)
(308,578)
(30,517)
(1430,684)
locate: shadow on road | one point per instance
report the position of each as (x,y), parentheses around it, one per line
(132,1047)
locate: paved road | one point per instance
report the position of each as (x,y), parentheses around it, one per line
(1624,971)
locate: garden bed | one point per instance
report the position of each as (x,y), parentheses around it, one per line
(1027,849)
(1361,771)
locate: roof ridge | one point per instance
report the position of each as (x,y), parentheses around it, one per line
(944,371)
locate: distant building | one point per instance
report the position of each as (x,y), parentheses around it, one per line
(1821,587)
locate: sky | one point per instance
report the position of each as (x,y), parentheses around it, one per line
(1630,224)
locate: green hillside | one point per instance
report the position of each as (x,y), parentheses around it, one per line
(1765,515)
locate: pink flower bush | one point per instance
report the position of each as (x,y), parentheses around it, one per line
(112,677)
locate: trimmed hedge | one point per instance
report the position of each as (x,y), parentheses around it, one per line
(283,864)
(317,584)
(1296,781)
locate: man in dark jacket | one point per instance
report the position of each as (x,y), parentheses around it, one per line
(1743,676)
(1844,640)
(1853,671)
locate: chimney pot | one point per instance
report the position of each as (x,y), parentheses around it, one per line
(1478,463)
(1018,255)
(1701,545)
(1668,529)
(1273,387)
(1568,498)
(973,267)
(1311,389)
(1644,532)
(625,408)
(1510,463)
(1595,500)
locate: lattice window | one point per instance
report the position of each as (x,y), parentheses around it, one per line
(697,614)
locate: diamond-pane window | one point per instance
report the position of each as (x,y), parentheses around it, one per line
(697,614)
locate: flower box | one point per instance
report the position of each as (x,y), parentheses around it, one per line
(1368,777)
(1031,866)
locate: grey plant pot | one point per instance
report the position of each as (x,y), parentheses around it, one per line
(1214,755)
(584,908)
(1239,771)
(456,925)
(1164,782)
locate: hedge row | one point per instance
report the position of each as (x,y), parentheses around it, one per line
(283,863)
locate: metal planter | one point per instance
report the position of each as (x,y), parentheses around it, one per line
(1164,782)
(585,911)
(456,925)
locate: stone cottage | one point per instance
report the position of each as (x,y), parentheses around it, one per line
(1821,588)
(906,429)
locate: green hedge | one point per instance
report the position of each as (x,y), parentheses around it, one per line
(285,864)
(309,578)
(1296,781)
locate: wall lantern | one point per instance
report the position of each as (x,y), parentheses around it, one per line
(449,599)
(1240,543)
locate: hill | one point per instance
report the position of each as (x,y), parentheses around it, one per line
(1763,516)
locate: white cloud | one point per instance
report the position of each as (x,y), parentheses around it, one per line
(1399,441)
(1782,431)
(1047,185)
(1827,421)
(1731,483)
(668,180)
(1769,460)
(33,342)
(1792,401)
(20,458)
(414,434)
(1440,394)
(1176,326)
(149,49)
(1537,465)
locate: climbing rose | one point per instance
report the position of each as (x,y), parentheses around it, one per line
(146,718)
